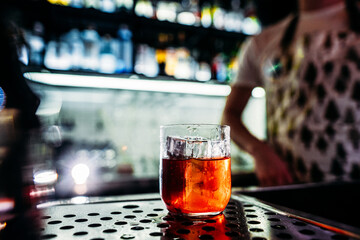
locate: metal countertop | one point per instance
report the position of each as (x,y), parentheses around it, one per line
(145,217)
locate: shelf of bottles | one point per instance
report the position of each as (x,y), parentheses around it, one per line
(188,40)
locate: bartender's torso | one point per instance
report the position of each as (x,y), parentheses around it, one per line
(313,95)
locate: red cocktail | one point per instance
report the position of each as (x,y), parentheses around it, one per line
(199,186)
(195,174)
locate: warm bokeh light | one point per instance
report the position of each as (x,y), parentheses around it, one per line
(80,189)
(258,92)
(2,225)
(45,177)
(41,192)
(6,204)
(80,173)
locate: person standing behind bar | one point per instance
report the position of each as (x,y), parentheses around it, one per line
(309,66)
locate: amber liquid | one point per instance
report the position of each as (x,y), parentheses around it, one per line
(196,186)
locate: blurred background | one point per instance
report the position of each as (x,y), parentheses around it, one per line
(108,73)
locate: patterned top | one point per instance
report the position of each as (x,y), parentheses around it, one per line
(312,93)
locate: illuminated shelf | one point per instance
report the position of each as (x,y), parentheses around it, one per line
(131,83)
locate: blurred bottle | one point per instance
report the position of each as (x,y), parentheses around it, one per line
(77,3)
(58,56)
(219,68)
(35,39)
(233,21)
(76,45)
(166,11)
(218,15)
(92,4)
(232,67)
(146,61)
(203,73)
(160,58)
(171,61)
(107,6)
(189,13)
(184,62)
(91,41)
(108,59)
(233,18)
(206,17)
(126,50)
(60,2)
(144,8)
(126,5)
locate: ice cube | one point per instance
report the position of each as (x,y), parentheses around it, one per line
(186,147)
(175,147)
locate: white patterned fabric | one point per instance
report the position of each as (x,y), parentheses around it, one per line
(312,93)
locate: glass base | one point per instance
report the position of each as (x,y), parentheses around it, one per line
(196,215)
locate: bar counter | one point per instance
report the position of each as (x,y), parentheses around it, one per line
(144,216)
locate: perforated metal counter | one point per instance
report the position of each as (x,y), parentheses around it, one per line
(145,217)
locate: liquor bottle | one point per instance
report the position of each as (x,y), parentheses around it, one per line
(76,3)
(144,8)
(189,13)
(107,6)
(58,56)
(145,62)
(36,43)
(76,45)
(183,69)
(203,72)
(166,11)
(92,4)
(126,47)
(218,15)
(206,19)
(91,41)
(127,5)
(219,68)
(108,60)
